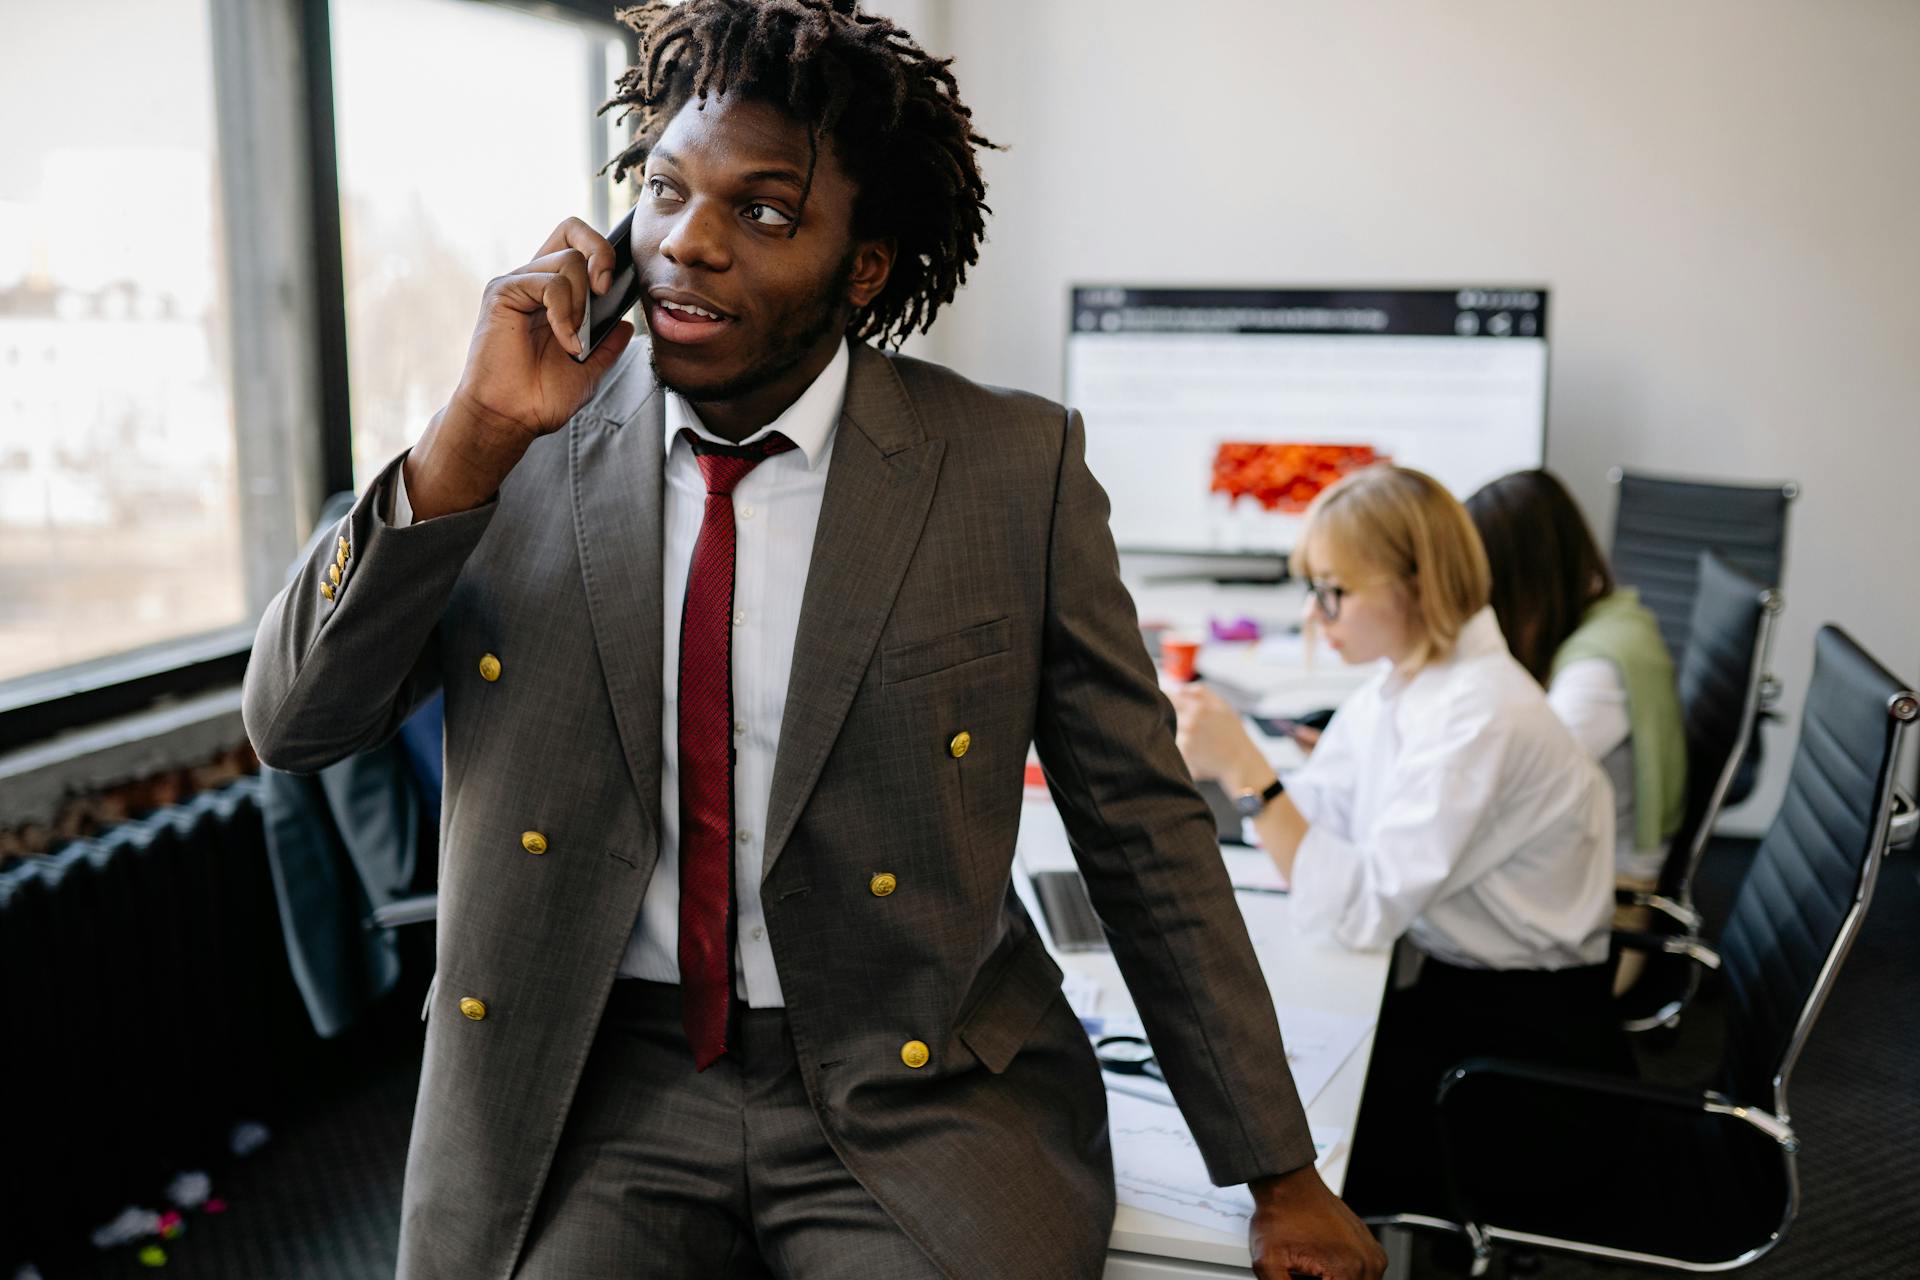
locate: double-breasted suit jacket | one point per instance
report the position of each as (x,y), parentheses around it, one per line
(963,601)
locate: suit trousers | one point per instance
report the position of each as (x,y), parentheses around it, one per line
(664,1171)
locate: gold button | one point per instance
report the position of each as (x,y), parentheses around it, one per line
(345,551)
(326,589)
(914,1054)
(489,668)
(961,741)
(474,1009)
(533,842)
(333,572)
(883,884)
(341,559)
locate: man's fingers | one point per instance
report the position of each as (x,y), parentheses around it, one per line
(572,264)
(533,292)
(595,252)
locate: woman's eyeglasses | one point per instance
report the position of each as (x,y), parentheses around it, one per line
(1327,596)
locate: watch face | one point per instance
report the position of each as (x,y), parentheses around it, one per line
(1249,804)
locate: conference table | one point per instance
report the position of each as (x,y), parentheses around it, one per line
(1304,970)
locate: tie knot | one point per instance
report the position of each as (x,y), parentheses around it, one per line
(725,465)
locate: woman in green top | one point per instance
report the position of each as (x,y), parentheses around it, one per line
(1597,650)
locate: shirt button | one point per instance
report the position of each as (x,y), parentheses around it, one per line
(758,933)
(739,726)
(745,837)
(746,513)
(739,617)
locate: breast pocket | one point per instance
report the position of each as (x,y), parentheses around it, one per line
(929,657)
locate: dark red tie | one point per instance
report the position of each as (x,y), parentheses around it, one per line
(706,753)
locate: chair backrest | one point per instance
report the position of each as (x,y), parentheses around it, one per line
(1804,898)
(1660,527)
(1730,625)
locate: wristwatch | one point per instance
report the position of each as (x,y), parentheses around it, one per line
(1252,803)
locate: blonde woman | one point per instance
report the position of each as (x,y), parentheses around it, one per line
(1445,805)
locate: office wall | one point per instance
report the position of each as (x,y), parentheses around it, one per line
(1724,196)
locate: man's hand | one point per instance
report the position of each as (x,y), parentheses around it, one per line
(520,380)
(1300,1227)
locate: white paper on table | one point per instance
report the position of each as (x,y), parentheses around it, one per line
(1157,1167)
(1253,869)
(1083,993)
(1318,1043)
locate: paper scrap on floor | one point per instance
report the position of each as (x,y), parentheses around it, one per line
(1157,1167)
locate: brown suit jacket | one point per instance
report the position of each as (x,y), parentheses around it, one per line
(963,578)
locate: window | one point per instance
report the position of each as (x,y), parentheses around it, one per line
(464,133)
(119,514)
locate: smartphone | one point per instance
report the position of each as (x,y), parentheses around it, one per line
(1284,726)
(605,309)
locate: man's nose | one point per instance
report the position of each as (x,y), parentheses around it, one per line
(698,238)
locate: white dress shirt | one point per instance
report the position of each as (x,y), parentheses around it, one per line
(1453,807)
(776,509)
(1591,700)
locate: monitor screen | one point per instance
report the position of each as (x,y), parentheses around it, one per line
(1215,415)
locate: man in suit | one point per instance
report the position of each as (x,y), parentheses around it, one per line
(742,656)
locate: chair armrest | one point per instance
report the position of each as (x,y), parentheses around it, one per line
(1673,944)
(1624,1087)
(414,910)
(1906,820)
(1684,916)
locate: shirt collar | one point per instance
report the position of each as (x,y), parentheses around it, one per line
(1479,637)
(809,421)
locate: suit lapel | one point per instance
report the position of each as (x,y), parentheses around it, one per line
(880,485)
(616,466)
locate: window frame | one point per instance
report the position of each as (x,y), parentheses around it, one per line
(40,706)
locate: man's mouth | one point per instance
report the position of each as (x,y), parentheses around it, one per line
(682,322)
(691,312)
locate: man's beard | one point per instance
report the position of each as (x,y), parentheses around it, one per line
(791,344)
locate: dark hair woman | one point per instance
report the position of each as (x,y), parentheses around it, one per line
(1598,652)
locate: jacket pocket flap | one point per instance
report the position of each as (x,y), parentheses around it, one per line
(1005,1016)
(924,657)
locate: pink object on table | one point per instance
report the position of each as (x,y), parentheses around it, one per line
(1238,629)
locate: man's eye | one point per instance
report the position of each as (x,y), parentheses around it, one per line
(767,216)
(659,190)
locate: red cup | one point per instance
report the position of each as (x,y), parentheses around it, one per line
(1178,655)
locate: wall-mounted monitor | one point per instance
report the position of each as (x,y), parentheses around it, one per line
(1215,415)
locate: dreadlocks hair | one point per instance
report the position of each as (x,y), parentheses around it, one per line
(892,111)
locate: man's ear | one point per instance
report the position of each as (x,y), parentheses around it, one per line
(872,264)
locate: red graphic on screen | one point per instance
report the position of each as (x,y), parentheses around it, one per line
(1286,477)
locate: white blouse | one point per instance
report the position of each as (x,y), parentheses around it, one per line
(1591,700)
(1455,808)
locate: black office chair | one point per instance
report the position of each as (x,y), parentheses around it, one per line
(1723,683)
(1703,1180)
(1660,527)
